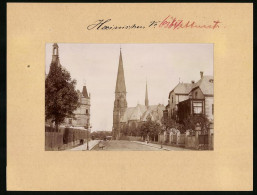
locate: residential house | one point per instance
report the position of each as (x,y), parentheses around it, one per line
(178,94)
(201,100)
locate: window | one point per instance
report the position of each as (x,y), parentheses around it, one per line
(197,107)
(70,121)
(212,109)
(172,99)
(86,111)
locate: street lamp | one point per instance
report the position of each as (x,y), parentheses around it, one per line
(88,129)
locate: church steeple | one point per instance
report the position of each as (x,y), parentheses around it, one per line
(120,82)
(146,97)
(55,56)
(120,102)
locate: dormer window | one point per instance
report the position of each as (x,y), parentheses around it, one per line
(211,80)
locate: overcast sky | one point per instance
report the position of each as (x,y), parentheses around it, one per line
(161,64)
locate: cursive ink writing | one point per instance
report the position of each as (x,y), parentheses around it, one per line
(174,23)
(168,22)
(101,25)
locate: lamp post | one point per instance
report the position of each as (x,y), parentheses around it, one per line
(88,129)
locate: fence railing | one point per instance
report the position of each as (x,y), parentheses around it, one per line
(187,140)
(65,138)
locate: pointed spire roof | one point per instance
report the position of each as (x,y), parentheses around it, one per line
(146,96)
(84,92)
(120,82)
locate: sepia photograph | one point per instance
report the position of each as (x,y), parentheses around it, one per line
(129,97)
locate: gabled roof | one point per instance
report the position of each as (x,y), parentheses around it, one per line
(135,111)
(140,112)
(205,84)
(136,114)
(182,88)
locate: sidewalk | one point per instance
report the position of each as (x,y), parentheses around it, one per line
(91,144)
(164,147)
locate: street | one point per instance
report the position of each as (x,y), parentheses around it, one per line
(123,145)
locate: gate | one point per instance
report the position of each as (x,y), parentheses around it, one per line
(203,142)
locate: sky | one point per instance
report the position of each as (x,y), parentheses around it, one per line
(161,65)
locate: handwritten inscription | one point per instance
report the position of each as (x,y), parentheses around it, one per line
(169,22)
(102,25)
(174,23)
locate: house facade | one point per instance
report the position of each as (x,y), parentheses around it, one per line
(178,94)
(200,101)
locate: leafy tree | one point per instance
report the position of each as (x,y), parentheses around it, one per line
(150,128)
(100,134)
(171,123)
(191,121)
(61,98)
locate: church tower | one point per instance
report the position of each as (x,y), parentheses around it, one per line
(120,102)
(55,56)
(146,97)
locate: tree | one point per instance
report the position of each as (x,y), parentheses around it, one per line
(61,98)
(191,121)
(150,128)
(171,123)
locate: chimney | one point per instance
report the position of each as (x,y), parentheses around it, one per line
(192,81)
(201,73)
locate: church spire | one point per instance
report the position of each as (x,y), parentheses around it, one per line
(55,56)
(120,82)
(146,96)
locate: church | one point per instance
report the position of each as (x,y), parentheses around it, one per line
(132,117)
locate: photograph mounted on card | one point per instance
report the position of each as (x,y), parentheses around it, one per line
(120,96)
